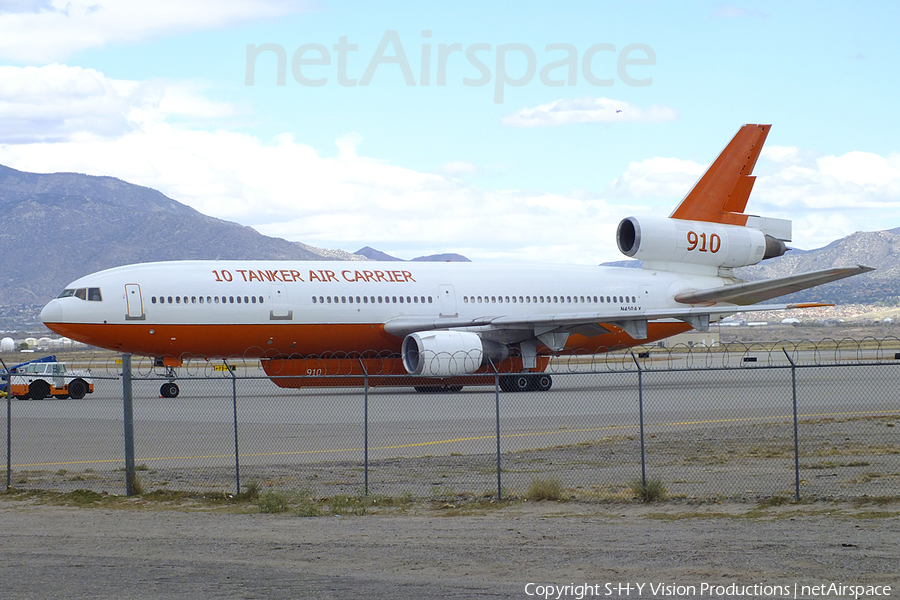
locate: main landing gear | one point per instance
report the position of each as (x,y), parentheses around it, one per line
(526,382)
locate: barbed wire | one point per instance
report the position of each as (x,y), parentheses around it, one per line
(255,362)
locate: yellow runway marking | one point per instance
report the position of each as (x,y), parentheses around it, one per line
(458,440)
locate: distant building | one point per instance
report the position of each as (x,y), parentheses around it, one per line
(692,338)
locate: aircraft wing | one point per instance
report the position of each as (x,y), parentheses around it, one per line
(701,307)
(586,323)
(752,292)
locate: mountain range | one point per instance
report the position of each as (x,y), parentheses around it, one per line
(57,227)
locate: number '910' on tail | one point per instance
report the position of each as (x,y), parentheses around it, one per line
(709,230)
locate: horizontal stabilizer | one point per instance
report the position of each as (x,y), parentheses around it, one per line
(752,292)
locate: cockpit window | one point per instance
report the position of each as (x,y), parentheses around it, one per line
(90,294)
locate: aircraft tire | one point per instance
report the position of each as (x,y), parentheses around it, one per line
(78,389)
(542,382)
(38,390)
(169,390)
(522,383)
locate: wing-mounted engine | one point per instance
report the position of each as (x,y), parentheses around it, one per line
(446,353)
(673,244)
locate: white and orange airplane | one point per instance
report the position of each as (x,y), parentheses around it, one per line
(428,322)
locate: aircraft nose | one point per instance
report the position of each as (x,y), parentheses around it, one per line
(52,313)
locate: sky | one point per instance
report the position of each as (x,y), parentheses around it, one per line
(507,131)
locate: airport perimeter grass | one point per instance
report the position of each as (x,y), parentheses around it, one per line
(302,504)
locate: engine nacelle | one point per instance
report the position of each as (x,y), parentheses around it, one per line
(447,353)
(695,242)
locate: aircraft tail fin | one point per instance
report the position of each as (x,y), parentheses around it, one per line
(720,196)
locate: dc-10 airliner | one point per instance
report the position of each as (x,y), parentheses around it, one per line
(428,322)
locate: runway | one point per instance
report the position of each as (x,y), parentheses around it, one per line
(284,428)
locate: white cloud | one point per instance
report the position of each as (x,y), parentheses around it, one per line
(458,168)
(140,132)
(862,168)
(782,154)
(827,197)
(44,31)
(282,187)
(587,110)
(657,177)
(57,102)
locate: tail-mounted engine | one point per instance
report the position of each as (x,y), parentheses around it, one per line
(699,242)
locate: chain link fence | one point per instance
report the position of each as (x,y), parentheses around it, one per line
(741,422)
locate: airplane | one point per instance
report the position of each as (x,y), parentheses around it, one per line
(428,322)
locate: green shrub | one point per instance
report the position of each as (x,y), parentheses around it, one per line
(544,489)
(652,491)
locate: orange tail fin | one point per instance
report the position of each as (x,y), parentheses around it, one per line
(721,194)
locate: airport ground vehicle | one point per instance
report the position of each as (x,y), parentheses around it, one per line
(45,377)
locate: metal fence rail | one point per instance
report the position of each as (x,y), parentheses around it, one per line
(743,422)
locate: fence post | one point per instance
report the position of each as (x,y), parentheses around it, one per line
(497,422)
(365,426)
(796,428)
(8,424)
(128,422)
(237,460)
(641,411)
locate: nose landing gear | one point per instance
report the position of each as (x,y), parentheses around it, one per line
(169,389)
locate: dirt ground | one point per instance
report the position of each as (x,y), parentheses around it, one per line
(138,549)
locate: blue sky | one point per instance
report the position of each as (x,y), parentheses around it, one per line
(514,156)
